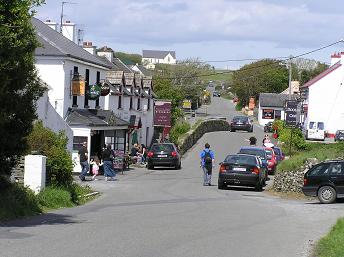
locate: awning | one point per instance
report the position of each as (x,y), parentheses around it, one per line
(94,118)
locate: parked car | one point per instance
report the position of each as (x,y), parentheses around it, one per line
(280,156)
(315,130)
(268,127)
(217,94)
(165,154)
(272,160)
(325,181)
(259,152)
(339,135)
(241,170)
(241,123)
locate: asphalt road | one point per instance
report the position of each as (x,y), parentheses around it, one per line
(168,213)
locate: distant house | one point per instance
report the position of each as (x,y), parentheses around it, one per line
(271,107)
(152,57)
(295,88)
(324,96)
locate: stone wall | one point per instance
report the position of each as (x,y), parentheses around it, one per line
(205,127)
(292,181)
(17,173)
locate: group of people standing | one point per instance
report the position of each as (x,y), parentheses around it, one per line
(138,154)
(106,161)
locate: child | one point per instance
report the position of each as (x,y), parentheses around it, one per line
(95,167)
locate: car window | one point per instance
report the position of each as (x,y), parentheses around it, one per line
(242,119)
(277,151)
(322,169)
(336,169)
(312,125)
(260,153)
(162,148)
(243,160)
(321,125)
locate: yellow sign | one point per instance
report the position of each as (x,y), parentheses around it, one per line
(187,104)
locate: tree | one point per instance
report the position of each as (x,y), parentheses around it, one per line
(268,76)
(130,59)
(20,87)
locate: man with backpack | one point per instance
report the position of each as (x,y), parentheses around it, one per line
(207,163)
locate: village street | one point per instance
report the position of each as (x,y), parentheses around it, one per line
(168,213)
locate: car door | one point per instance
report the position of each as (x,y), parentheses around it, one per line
(337,177)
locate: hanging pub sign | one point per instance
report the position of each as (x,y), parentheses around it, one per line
(291,113)
(78,85)
(94,92)
(162,113)
(105,88)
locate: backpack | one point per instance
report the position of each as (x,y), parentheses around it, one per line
(207,157)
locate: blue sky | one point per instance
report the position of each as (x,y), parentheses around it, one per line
(208,29)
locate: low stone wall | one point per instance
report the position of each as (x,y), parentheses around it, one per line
(206,126)
(292,181)
(17,173)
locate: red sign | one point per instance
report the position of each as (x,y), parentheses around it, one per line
(162,114)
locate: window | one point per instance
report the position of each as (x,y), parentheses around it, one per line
(75,98)
(312,125)
(268,114)
(87,84)
(119,102)
(241,160)
(322,169)
(131,103)
(336,169)
(148,104)
(77,142)
(98,81)
(139,104)
(321,126)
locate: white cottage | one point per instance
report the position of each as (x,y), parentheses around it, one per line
(324,96)
(152,57)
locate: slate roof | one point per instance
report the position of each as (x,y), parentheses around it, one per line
(120,66)
(94,118)
(274,100)
(157,54)
(55,44)
(127,92)
(142,69)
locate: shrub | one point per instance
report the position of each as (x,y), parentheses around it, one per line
(18,201)
(238,106)
(54,198)
(179,129)
(54,146)
(78,193)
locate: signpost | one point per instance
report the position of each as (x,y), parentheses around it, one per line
(291,118)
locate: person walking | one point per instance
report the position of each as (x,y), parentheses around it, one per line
(107,156)
(252,140)
(83,157)
(207,163)
(96,163)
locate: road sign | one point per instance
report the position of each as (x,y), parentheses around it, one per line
(291,113)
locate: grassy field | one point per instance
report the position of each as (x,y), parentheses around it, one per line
(332,245)
(222,75)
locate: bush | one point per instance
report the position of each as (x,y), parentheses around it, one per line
(54,146)
(18,201)
(55,198)
(179,129)
(78,193)
(238,106)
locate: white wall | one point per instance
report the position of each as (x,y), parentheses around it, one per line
(52,120)
(325,101)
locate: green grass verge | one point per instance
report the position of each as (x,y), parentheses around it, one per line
(223,75)
(313,150)
(332,245)
(18,201)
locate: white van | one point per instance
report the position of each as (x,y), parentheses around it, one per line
(315,130)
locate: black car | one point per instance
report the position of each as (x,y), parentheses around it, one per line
(241,123)
(165,154)
(325,180)
(215,93)
(241,170)
(339,135)
(268,127)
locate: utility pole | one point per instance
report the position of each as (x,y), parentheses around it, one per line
(290,67)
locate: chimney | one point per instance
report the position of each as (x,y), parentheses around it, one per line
(336,57)
(51,24)
(68,30)
(106,52)
(88,46)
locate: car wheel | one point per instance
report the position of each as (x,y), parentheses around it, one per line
(221,185)
(259,187)
(150,167)
(179,166)
(327,194)
(232,130)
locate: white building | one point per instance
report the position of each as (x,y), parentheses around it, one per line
(152,57)
(324,96)
(58,61)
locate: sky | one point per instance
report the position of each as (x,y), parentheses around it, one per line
(212,30)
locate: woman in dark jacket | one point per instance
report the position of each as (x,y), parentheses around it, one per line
(108,157)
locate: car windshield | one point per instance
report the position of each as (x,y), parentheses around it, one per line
(241,119)
(268,153)
(256,152)
(241,160)
(321,125)
(340,132)
(162,148)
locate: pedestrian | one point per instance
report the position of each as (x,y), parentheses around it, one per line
(207,164)
(108,158)
(134,153)
(96,163)
(266,140)
(143,150)
(252,140)
(83,157)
